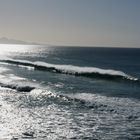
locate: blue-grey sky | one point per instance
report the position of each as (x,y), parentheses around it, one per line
(72,22)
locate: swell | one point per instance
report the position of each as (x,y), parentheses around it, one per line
(91,72)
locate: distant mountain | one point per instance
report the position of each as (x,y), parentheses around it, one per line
(5,40)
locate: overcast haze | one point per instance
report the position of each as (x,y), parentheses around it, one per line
(72,22)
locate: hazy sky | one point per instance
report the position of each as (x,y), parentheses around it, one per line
(72,22)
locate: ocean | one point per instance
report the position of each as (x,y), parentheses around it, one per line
(69,93)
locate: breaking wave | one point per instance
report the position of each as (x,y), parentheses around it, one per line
(91,72)
(17,87)
(87,100)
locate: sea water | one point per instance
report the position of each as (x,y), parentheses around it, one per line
(55,92)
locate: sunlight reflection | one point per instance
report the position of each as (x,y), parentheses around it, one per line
(6,49)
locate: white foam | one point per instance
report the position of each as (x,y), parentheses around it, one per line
(26,67)
(80,70)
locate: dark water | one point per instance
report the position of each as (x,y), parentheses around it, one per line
(69,93)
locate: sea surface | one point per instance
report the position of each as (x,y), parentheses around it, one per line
(69,93)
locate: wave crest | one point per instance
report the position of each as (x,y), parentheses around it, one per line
(91,72)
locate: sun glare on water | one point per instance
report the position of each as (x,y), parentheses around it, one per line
(8,49)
